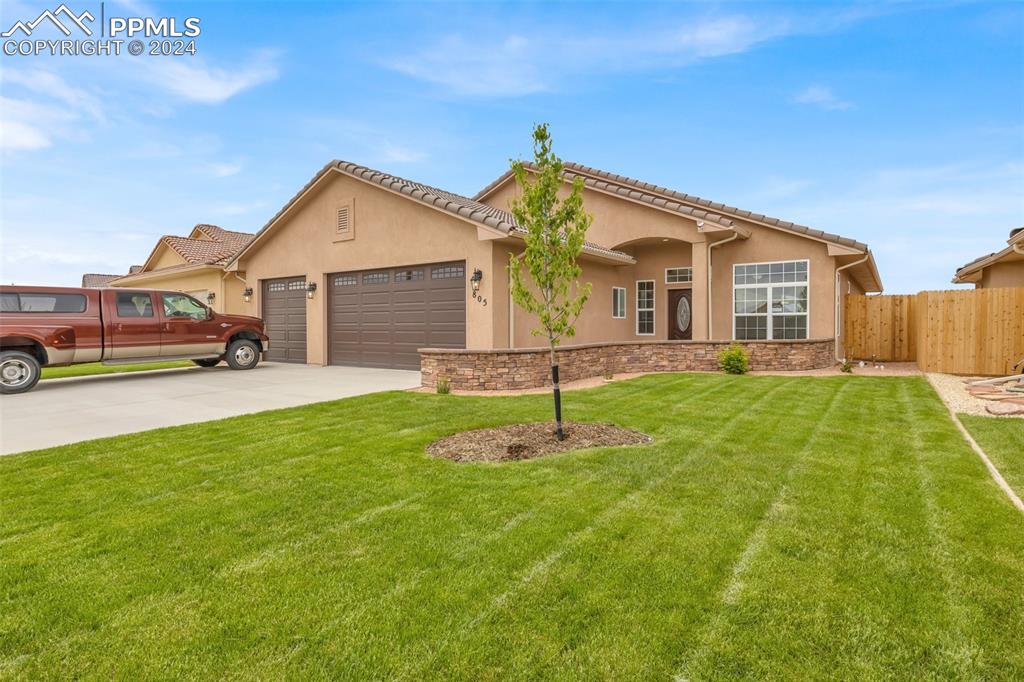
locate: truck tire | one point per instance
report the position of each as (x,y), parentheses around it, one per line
(208,362)
(19,371)
(243,354)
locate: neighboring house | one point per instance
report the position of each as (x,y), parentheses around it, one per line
(96,281)
(1003,268)
(192,264)
(92,280)
(365,268)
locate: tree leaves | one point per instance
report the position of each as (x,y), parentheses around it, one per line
(544,277)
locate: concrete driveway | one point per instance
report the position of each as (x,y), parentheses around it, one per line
(60,411)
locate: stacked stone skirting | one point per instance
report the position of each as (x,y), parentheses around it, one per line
(491,370)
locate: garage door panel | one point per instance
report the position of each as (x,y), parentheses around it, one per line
(284,311)
(381,318)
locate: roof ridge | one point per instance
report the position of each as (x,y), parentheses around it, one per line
(456,204)
(693,199)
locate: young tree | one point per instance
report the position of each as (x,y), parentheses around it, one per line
(544,277)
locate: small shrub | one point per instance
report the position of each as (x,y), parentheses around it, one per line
(734,359)
(846,366)
(444,387)
(608,376)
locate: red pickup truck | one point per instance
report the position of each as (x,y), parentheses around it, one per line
(48,326)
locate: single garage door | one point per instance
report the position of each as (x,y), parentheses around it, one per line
(380,318)
(284,313)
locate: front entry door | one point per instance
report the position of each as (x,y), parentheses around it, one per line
(680,314)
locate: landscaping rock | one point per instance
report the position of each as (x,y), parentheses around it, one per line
(1005,408)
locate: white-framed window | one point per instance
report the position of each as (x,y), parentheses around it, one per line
(678,275)
(771,300)
(645,307)
(619,303)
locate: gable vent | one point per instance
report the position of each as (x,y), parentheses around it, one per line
(344,220)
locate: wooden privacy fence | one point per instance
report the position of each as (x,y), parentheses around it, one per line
(979,331)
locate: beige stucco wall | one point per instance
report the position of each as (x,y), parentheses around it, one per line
(767,245)
(1009,273)
(390,230)
(639,229)
(166,257)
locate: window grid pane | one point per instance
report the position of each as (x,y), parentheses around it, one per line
(645,307)
(763,310)
(678,275)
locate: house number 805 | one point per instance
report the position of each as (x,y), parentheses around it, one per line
(480,299)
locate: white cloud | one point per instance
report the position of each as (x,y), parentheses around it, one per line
(225,169)
(20,135)
(51,85)
(942,215)
(475,64)
(822,97)
(26,125)
(468,67)
(196,81)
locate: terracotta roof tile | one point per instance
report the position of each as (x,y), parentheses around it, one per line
(93,280)
(456,204)
(218,250)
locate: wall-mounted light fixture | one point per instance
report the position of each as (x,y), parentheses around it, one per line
(310,289)
(247,295)
(210,298)
(474,281)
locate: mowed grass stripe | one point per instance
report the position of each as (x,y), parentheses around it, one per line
(1002,439)
(526,597)
(322,542)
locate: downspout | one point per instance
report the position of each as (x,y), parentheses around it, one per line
(735,235)
(835,340)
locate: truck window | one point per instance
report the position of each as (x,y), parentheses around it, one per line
(43,303)
(183,305)
(134,304)
(9,303)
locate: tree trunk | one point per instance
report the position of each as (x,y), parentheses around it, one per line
(558,396)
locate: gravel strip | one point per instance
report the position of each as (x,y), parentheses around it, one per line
(953,391)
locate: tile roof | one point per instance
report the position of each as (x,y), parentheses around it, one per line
(92,280)
(1016,235)
(456,204)
(680,202)
(218,250)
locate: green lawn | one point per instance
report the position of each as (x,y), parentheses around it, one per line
(91,368)
(1003,442)
(786,528)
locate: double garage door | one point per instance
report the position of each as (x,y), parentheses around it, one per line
(381,318)
(375,318)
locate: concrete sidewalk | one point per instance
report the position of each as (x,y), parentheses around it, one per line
(60,411)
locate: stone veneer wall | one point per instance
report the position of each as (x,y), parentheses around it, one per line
(489,370)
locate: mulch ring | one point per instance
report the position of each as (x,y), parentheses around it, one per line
(527,441)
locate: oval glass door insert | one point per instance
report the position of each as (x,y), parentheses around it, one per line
(683,314)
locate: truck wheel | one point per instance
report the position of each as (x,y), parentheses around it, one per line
(243,354)
(208,362)
(19,371)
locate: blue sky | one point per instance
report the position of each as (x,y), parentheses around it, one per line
(898,125)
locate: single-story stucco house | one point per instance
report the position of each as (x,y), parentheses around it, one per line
(194,265)
(366,268)
(1004,268)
